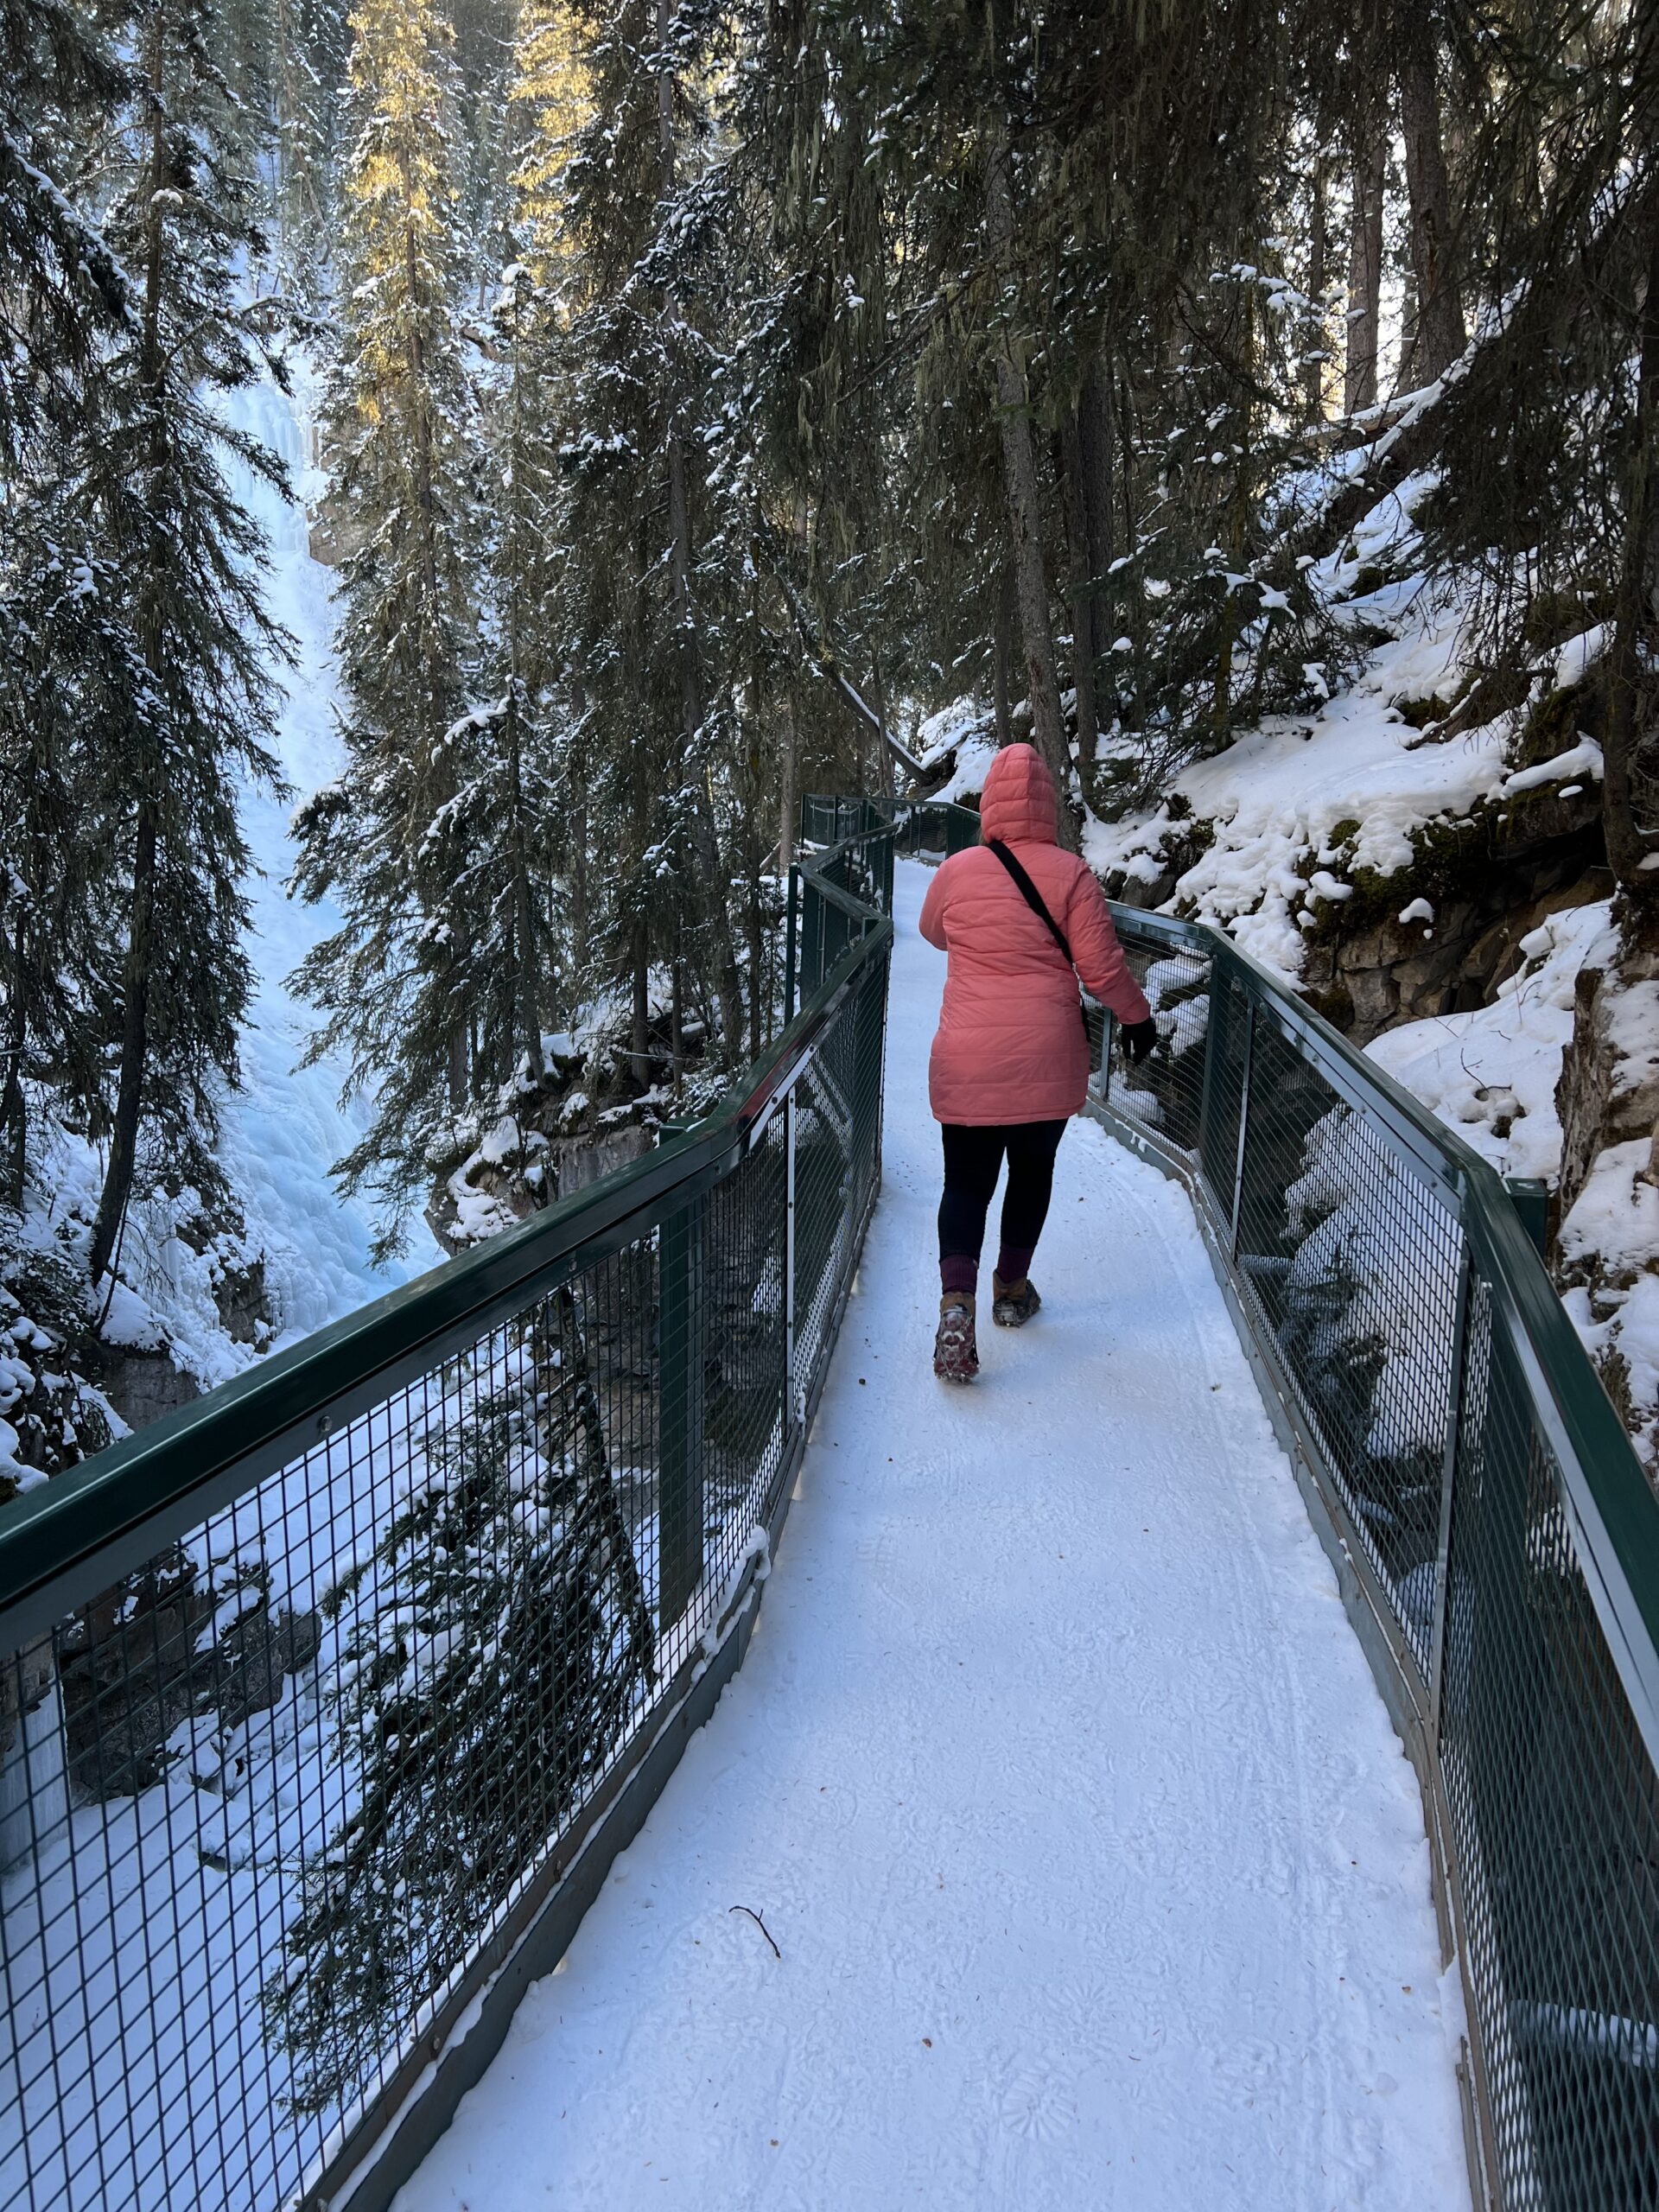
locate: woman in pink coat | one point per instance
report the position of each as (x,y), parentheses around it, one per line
(1010,1062)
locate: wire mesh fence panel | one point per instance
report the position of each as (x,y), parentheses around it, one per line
(310,1754)
(743,1347)
(1352,1262)
(1554,1806)
(1163,1094)
(1227,1045)
(823,1198)
(921,832)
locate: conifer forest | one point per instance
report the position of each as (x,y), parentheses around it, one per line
(696,405)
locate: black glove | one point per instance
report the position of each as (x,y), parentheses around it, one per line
(1139,1038)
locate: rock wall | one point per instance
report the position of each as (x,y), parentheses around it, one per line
(1605,1253)
(1368,969)
(1608,1093)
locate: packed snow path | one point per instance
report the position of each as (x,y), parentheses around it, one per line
(1055,1772)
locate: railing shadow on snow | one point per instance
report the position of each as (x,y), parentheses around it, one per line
(328,1702)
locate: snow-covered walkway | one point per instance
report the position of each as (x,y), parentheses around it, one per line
(1054,1770)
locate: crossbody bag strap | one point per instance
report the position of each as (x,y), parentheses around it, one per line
(1033,897)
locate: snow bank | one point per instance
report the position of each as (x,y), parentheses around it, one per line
(1492,1074)
(964,733)
(1279,795)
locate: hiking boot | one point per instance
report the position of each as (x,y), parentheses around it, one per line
(1012,1303)
(955,1355)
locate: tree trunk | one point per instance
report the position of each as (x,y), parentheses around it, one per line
(1318,251)
(1365,265)
(1003,656)
(757,949)
(1440,335)
(135,983)
(884,749)
(14,1104)
(1096,434)
(1025,510)
(705,832)
(580,903)
(526,976)
(1628,797)
(459,1065)
(639,1034)
(135,1050)
(787,805)
(676,1033)
(1086,646)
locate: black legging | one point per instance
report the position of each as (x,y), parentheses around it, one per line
(973,1159)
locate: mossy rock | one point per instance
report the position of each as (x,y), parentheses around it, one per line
(1444,852)
(1370,578)
(1552,616)
(1336,1004)
(1556,723)
(1420,713)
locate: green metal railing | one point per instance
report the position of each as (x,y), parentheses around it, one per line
(326,1703)
(1496,1539)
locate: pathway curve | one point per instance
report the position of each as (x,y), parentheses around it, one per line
(1054,1769)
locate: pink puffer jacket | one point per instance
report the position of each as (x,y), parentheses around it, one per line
(1010,1047)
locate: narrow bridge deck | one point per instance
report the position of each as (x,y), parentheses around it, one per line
(1056,1774)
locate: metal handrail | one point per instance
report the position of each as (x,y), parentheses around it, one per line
(1608,1492)
(73,1546)
(125,1503)
(1518,1649)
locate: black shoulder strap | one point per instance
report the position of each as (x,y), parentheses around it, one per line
(1033,897)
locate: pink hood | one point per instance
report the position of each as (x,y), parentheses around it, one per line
(1017,805)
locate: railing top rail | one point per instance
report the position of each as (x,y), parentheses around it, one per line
(122,1505)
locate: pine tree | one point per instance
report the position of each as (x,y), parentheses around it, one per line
(64,663)
(649,658)
(308,66)
(67,672)
(510,816)
(549,101)
(183,561)
(387,841)
(63,291)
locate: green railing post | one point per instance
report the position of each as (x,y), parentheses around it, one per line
(812,961)
(1457,1398)
(1530,1196)
(791,1395)
(1245,1073)
(680,1513)
(792,896)
(1215,1022)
